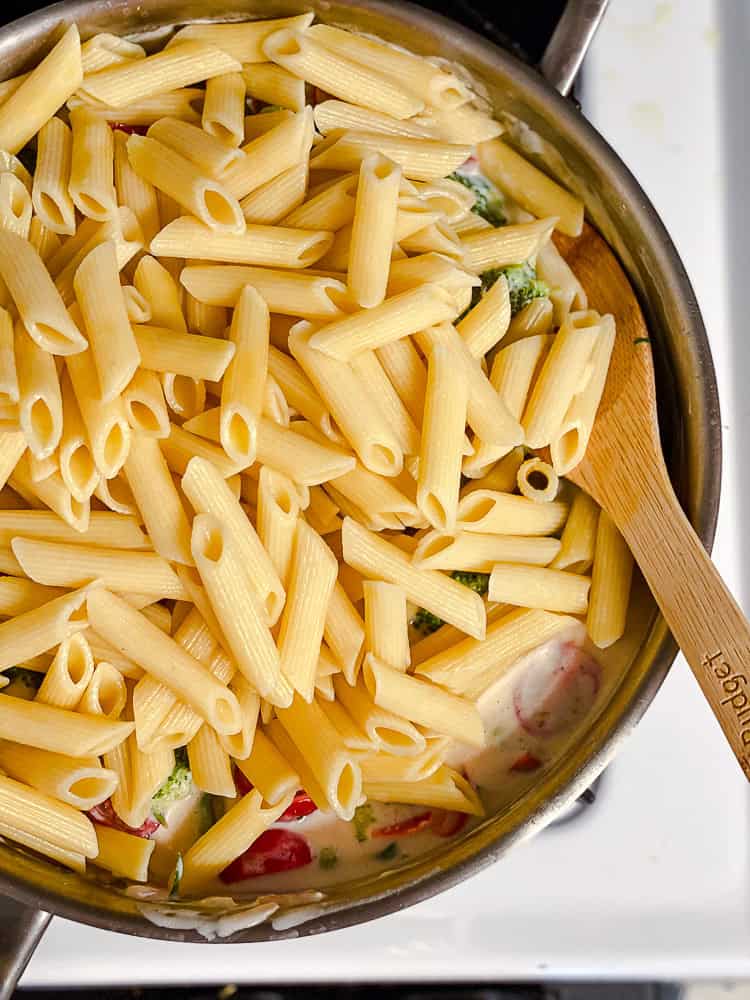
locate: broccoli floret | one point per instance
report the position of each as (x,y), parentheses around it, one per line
(523,284)
(363,819)
(388,853)
(425,622)
(24,683)
(489,202)
(328,858)
(177,786)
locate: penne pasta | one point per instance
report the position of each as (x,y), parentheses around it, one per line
(272,201)
(107,429)
(210,764)
(278,511)
(40,413)
(478,553)
(284,291)
(610,585)
(37,630)
(386,624)
(274,85)
(209,154)
(239,745)
(224,108)
(92,162)
(244,40)
(578,538)
(373,230)
(123,854)
(104,49)
(50,492)
(506,245)
(144,405)
(420,159)
(268,771)
(188,354)
(105,693)
(55,729)
(69,673)
(82,783)
(492,512)
(305,461)
(486,324)
(444,789)
(537,587)
(15,205)
(269,154)
(334,116)
(537,480)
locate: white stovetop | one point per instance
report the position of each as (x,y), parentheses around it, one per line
(653,882)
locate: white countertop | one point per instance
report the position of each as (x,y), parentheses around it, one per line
(653,882)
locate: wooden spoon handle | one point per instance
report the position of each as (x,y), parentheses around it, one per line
(704,618)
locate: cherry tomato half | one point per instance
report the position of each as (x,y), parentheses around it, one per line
(274,851)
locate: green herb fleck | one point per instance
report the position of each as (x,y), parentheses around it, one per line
(388,853)
(478,582)
(523,284)
(177,786)
(179,868)
(206,814)
(488,201)
(642,340)
(363,819)
(427,623)
(328,858)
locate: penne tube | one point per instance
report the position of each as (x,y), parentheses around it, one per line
(610,585)
(492,512)
(322,513)
(353,737)
(464,124)
(133,191)
(529,187)
(8,374)
(500,476)
(148,772)
(208,493)
(41,93)
(239,745)
(565,290)
(58,730)
(69,673)
(312,577)
(144,404)
(446,398)
(158,500)
(179,178)
(268,771)
(357,413)
(344,633)
(289,751)
(188,354)
(331,208)
(185,396)
(373,230)
(385,730)
(263,121)
(334,116)
(107,429)
(99,295)
(123,854)
(333,766)
(420,159)
(137,308)
(132,81)
(239,612)
(104,49)
(210,764)
(242,40)
(268,246)
(444,789)
(211,321)
(208,153)
(578,538)
(299,391)
(272,201)
(224,108)
(50,492)
(181,446)
(38,814)
(272,84)
(302,55)
(305,461)
(269,154)
(369,368)
(15,205)
(396,317)
(18,596)
(433,268)
(161,292)
(82,783)
(562,376)
(183,103)
(164,659)
(505,245)
(422,702)
(115,494)
(285,292)
(387,624)
(40,413)
(376,496)
(538,481)
(378,559)
(486,324)
(38,302)
(407,373)
(123,229)
(105,693)
(36,631)
(278,511)
(92,160)
(381,768)
(537,587)
(569,442)
(237,829)
(478,553)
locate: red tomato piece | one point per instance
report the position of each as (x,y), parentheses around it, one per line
(446,822)
(130,129)
(301,805)
(274,851)
(556,698)
(105,815)
(411,825)
(526,762)
(241,782)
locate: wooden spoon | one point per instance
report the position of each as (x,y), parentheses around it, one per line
(624,471)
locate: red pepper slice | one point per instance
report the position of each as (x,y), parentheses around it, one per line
(301,805)
(130,129)
(411,825)
(105,815)
(526,762)
(274,851)
(241,782)
(446,822)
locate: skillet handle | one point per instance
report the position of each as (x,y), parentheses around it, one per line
(21,927)
(564,54)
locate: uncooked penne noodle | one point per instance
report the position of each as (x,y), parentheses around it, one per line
(145,408)
(387,624)
(273,84)
(179,178)
(92,185)
(210,764)
(278,510)
(529,187)
(311,580)
(478,553)
(134,191)
(224,108)
(58,730)
(132,81)
(80,783)
(123,854)
(357,413)
(265,120)
(106,426)
(486,324)
(537,480)
(235,603)
(105,692)
(40,412)
(189,354)
(269,154)
(42,92)
(334,767)
(269,771)
(331,208)
(68,674)
(164,659)
(562,377)
(421,159)
(610,585)
(50,492)
(37,300)
(15,205)
(538,587)
(373,230)
(333,116)
(108,50)
(271,246)
(350,81)
(445,405)
(285,292)
(275,199)
(569,442)
(492,512)
(578,538)
(208,153)
(241,40)
(376,559)
(206,490)
(157,499)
